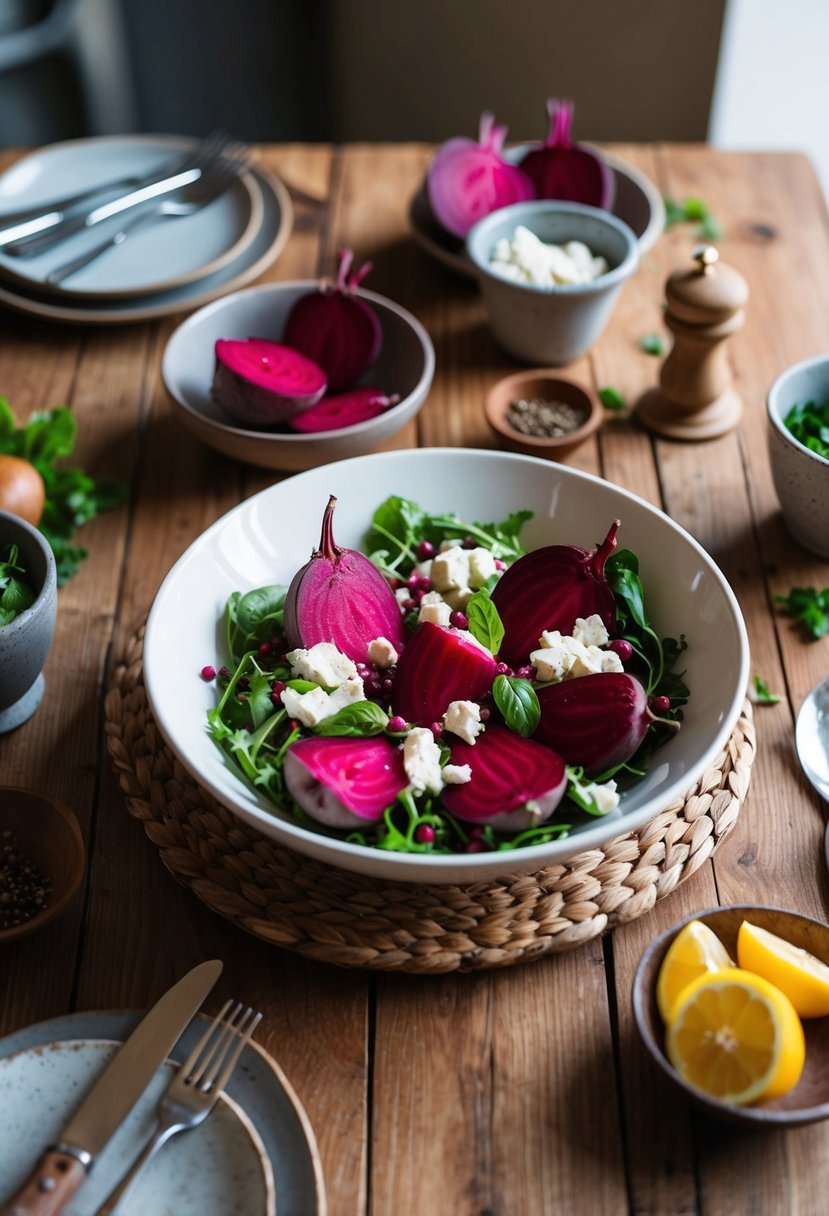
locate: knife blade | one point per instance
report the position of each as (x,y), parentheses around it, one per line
(64,1165)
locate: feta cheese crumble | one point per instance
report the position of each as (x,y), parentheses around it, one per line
(323,663)
(381,653)
(526,259)
(314,706)
(564,657)
(421,760)
(463,718)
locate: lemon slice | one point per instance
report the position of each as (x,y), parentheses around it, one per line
(803,978)
(736,1037)
(695,950)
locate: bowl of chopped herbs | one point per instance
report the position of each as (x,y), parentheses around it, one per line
(28,605)
(798,413)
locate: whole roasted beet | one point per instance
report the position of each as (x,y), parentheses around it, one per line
(548,589)
(345,783)
(340,596)
(439,665)
(597,721)
(516,783)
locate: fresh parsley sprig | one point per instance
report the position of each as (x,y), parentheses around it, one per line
(809,607)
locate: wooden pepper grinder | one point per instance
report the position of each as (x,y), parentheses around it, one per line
(695,398)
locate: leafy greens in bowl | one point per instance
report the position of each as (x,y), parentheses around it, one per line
(267,539)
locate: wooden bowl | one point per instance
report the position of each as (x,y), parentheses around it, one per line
(47,833)
(808,1102)
(524,386)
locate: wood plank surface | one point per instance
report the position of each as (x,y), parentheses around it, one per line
(521,1092)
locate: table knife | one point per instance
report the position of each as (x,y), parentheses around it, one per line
(64,1165)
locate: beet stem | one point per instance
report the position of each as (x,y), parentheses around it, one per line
(328,547)
(346,259)
(604,550)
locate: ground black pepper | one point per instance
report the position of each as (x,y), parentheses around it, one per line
(545,419)
(24,892)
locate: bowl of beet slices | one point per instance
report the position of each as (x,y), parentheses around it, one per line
(237,379)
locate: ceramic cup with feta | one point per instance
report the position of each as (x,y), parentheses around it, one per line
(550,274)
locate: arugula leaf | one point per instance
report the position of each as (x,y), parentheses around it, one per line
(358,720)
(485,623)
(762,696)
(611,398)
(809,423)
(809,607)
(518,702)
(652,344)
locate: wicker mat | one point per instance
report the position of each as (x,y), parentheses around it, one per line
(348,919)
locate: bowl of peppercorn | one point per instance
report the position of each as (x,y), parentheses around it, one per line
(42,860)
(540,414)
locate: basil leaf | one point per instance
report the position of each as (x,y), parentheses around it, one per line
(359,720)
(518,703)
(652,344)
(762,696)
(611,398)
(622,574)
(485,624)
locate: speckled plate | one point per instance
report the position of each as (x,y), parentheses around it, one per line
(254,1156)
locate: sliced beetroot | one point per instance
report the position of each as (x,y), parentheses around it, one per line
(261,383)
(467,180)
(516,783)
(343,409)
(548,589)
(560,169)
(345,783)
(439,665)
(340,596)
(595,722)
(336,328)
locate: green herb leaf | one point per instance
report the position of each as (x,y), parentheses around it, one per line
(652,344)
(693,211)
(254,618)
(16,593)
(485,624)
(809,607)
(358,720)
(654,656)
(809,423)
(612,399)
(518,703)
(762,696)
(581,793)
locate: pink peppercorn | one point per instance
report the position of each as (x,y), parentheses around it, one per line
(208,673)
(424,833)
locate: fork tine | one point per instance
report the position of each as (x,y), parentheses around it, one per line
(226,1060)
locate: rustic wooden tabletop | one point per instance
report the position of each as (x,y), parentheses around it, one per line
(522,1091)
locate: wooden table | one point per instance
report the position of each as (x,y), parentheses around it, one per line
(517,1092)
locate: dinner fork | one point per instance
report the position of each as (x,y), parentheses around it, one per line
(215,179)
(195,1088)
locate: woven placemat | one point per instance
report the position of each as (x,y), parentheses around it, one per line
(351,920)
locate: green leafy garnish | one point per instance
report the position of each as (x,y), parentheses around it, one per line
(611,398)
(809,423)
(693,211)
(356,721)
(761,693)
(16,593)
(72,497)
(652,344)
(518,702)
(580,792)
(656,656)
(253,619)
(485,624)
(809,607)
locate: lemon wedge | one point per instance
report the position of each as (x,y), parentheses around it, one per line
(803,978)
(736,1037)
(695,950)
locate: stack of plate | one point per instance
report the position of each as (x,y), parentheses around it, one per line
(165,266)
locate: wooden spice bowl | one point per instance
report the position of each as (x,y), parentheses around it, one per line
(808,1102)
(48,834)
(547,386)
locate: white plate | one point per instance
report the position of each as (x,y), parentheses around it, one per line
(261,1134)
(267,244)
(268,538)
(156,257)
(637,202)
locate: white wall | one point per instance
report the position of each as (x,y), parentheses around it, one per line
(772,87)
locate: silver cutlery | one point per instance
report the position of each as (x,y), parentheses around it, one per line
(811,739)
(64,1166)
(195,1088)
(214,180)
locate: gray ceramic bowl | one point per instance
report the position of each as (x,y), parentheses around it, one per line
(554,325)
(406,365)
(25,641)
(801,477)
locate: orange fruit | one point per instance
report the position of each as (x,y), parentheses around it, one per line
(803,978)
(695,950)
(736,1037)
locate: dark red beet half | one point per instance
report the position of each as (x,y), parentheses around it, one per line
(595,722)
(548,589)
(343,409)
(516,783)
(439,665)
(560,169)
(260,383)
(345,783)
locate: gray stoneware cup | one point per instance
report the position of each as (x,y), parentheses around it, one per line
(552,326)
(25,641)
(801,477)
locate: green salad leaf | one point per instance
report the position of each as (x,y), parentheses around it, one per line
(518,702)
(656,656)
(485,623)
(809,607)
(809,423)
(16,592)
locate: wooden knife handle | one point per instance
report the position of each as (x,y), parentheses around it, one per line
(51,1184)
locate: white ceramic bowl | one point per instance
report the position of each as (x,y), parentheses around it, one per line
(555,325)
(405,366)
(269,536)
(801,476)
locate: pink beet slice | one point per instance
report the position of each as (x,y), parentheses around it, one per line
(260,383)
(439,665)
(343,409)
(595,722)
(516,783)
(548,589)
(345,783)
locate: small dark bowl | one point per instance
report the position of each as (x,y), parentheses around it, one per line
(545,384)
(808,1102)
(47,833)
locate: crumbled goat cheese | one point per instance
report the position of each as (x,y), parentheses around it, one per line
(562,657)
(456,774)
(463,718)
(462,570)
(526,259)
(421,760)
(314,706)
(381,653)
(323,663)
(434,608)
(604,796)
(590,630)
